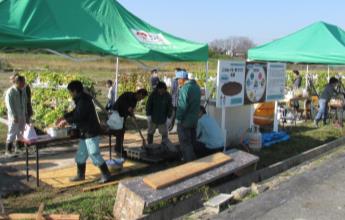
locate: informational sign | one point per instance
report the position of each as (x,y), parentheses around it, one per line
(276,73)
(255,82)
(240,83)
(230,83)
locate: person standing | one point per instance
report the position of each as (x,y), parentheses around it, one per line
(154,80)
(27,89)
(125,105)
(187,114)
(17,112)
(210,138)
(298,80)
(174,95)
(84,116)
(111,94)
(159,111)
(296,86)
(328,93)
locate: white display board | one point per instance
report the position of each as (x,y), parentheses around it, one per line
(276,73)
(230,83)
(255,83)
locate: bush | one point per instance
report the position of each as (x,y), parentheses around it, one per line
(320,79)
(50,99)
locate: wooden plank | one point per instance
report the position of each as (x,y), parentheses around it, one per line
(170,176)
(92,188)
(39,215)
(20,216)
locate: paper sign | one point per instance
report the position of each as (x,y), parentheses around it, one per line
(230,83)
(276,73)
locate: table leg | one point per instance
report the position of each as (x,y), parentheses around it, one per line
(37,167)
(27,162)
(110,146)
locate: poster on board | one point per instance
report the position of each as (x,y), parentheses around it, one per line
(230,83)
(276,73)
(255,82)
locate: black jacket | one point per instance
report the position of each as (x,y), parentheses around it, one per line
(84,116)
(159,107)
(124,102)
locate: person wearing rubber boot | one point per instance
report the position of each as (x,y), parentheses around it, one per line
(84,116)
(187,113)
(158,112)
(17,112)
(126,105)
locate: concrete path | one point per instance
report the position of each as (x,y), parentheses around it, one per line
(318,194)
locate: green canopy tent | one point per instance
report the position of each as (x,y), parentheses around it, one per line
(89,26)
(319,43)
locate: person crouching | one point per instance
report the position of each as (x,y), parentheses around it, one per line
(210,138)
(159,111)
(84,116)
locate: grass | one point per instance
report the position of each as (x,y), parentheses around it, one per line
(3,133)
(99,204)
(302,138)
(90,205)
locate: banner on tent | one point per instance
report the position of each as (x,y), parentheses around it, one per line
(150,38)
(240,83)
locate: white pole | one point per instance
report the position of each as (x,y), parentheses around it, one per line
(251,118)
(275,122)
(223,126)
(116,77)
(206,80)
(306,82)
(328,73)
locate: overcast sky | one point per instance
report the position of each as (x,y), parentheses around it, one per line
(262,20)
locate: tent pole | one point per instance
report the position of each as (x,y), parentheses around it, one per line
(206,80)
(306,82)
(116,77)
(328,73)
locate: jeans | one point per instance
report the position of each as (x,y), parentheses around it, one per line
(186,137)
(323,111)
(162,128)
(89,147)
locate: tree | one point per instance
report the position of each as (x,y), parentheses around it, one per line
(233,45)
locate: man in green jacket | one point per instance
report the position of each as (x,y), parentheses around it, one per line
(159,111)
(16,104)
(187,112)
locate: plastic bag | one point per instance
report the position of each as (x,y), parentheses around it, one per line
(115,121)
(29,132)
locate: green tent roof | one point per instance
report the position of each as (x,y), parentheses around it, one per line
(319,43)
(93,26)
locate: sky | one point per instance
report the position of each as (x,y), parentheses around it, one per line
(260,20)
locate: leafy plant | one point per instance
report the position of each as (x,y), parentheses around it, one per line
(52,102)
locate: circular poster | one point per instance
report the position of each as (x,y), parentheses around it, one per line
(255,83)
